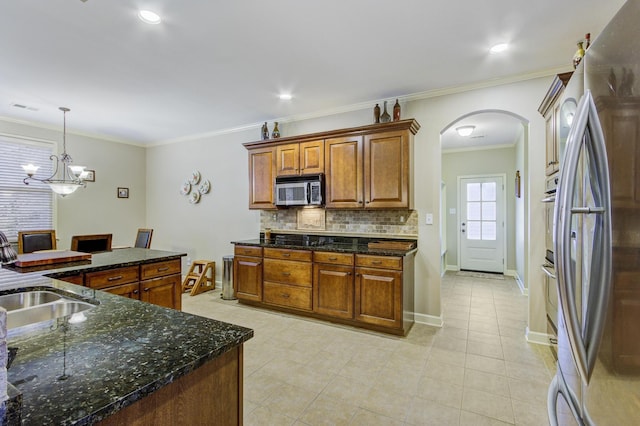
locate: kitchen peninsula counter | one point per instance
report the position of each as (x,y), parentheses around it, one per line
(127,361)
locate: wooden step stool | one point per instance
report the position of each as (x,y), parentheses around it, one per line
(198,280)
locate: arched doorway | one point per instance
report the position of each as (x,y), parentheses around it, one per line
(494,151)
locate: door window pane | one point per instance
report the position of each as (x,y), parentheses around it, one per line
(489,211)
(473,211)
(473,192)
(473,230)
(489,191)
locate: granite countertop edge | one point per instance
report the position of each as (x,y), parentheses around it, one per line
(337,248)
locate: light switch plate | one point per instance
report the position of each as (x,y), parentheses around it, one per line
(452,210)
(429,218)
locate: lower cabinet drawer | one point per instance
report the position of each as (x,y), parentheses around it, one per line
(160,269)
(287,295)
(111,277)
(288,272)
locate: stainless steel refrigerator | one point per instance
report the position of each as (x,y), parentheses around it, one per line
(597,237)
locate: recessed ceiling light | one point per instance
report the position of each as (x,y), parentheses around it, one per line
(465,130)
(500,47)
(149,17)
(285,96)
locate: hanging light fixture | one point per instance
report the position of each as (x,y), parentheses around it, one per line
(66,178)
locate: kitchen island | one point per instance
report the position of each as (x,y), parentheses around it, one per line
(128,362)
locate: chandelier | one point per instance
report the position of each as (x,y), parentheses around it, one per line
(66,178)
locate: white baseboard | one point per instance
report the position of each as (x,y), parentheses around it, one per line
(513,273)
(453,268)
(429,320)
(538,338)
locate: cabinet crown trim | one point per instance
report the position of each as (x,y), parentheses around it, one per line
(409,124)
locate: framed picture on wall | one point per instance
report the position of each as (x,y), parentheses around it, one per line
(123,192)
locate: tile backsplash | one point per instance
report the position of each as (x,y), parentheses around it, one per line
(390,222)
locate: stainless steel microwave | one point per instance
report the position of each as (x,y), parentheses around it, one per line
(300,190)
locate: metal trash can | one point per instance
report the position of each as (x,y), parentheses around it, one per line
(227,278)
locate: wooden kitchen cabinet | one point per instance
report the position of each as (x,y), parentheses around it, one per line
(371,172)
(158,282)
(262,173)
(378,291)
(302,158)
(164,291)
(367,167)
(288,278)
(344,169)
(247,273)
(368,291)
(550,110)
(333,292)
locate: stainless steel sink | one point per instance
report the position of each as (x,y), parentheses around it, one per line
(27,299)
(45,312)
(31,309)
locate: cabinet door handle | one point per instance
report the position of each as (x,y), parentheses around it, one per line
(359,201)
(349,273)
(146,289)
(285,295)
(333,258)
(286,254)
(367,201)
(116,278)
(135,292)
(376,262)
(166,268)
(286,274)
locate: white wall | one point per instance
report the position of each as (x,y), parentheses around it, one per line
(96,208)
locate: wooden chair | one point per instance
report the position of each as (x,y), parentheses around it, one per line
(30,241)
(91,243)
(143,239)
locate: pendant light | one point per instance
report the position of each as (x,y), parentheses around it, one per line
(66,178)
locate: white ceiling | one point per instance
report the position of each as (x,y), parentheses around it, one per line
(212,66)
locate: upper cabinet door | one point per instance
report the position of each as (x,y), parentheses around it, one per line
(262,173)
(344,172)
(386,170)
(312,157)
(303,158)
(288,159)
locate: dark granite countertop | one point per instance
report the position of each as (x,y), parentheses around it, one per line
(101,261)
(337,244)
(124,351)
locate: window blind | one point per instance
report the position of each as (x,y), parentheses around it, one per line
(24,207)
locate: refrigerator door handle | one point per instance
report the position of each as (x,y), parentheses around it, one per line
(547,270)
(563,216)
(584,341)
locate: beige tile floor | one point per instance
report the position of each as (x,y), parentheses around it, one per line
(476,370)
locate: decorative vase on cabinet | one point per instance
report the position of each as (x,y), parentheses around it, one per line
(276,132)
(376,113)
(396,111)
(385,117)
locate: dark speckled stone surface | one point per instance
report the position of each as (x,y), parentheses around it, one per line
(338,244)
(125,350)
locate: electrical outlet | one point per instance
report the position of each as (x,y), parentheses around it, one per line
(401,219)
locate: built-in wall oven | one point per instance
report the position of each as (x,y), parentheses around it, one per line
(550,286)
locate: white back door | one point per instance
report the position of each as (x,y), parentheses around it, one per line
(482,232)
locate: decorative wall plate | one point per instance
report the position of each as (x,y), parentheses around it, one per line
(185,188)
(204,187)
(194,197)
(195,177)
